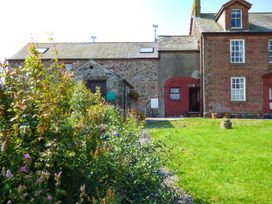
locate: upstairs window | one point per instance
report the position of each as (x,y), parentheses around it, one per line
(147,50)
(238,89)
(174,94)
(237,51)
(270,51)
(42,50)
(236,18)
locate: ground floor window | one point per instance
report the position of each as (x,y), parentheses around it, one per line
(270,51)
(175,94)
(238,89)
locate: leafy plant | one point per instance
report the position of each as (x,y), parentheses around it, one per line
(133,95)
(62,143)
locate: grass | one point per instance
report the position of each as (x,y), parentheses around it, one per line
(216,165)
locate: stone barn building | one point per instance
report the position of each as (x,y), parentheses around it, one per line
(223,66)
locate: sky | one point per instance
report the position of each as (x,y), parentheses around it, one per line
(24,21)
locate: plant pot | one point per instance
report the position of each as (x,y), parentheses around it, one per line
(226,124)
(214,115)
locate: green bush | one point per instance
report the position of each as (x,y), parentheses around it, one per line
(62,144)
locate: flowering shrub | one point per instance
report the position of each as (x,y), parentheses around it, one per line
(62,144)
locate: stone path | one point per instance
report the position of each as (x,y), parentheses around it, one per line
(161,119)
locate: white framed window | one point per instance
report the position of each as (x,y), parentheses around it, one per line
(237,51)
(147,50)
(236,18)
(270,51)
(68,67)
(238,89)
(174,94)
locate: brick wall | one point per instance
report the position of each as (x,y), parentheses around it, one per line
(218,70)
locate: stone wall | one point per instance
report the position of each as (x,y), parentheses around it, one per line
(92,71)
(142,74)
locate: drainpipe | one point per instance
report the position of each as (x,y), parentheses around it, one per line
(203,72)
(124,99)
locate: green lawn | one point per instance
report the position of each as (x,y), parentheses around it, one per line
(216,165)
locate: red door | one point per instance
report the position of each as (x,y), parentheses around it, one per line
(267,86)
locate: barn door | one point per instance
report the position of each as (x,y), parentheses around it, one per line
(101,84)
(270,98)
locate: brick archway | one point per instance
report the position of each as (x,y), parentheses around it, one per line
(182,95)
(267,90)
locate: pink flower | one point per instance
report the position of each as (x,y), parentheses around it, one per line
(27,156)
(8,174)
(40,180)
(9,202)
(49,197)
(23,169)
(59,174)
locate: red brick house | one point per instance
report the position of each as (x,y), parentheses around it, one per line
(223,66)
(235,59)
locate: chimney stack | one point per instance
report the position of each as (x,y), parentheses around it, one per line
(196,10)
(93,38)
(155,27)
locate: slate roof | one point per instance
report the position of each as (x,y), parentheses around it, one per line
(107,50)
(177,43)
(259,22)
(111,50)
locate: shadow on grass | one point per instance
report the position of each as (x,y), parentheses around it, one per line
(158,124)
(200,201)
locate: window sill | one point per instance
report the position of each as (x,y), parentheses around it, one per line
(238,102)
(238,64)
(234,29)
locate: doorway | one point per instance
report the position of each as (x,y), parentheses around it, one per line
(270,99)
(194,98)
(101,84)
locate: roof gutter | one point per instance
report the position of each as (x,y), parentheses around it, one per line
(130,58)
(195,50)
(237,33)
